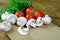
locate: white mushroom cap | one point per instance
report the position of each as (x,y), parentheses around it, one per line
(2,24)
(5,26)
(4,16)
(21,21)
(39,22)
(46,19)
(22,32)
(12,19)
(6,13)
(31,22)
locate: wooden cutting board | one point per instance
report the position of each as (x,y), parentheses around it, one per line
(46,32)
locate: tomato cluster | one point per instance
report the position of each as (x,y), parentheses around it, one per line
(19,14)
(30,13)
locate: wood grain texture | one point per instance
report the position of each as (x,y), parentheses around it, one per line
(46,32)
(3,35)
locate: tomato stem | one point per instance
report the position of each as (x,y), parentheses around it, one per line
(33,13)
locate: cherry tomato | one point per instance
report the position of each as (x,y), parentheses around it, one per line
(29,10)
(39,14)
(28,17)
(34,13)
(19,14)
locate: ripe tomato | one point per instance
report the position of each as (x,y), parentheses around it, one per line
(19,14)
(39,14)
(28,16)
(34,13)
(29,10)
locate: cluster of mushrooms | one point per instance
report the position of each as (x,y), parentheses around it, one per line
(10,19)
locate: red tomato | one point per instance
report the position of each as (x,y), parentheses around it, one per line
(39,14)
(34,13)
(28,17)
(19,14)
(29,10)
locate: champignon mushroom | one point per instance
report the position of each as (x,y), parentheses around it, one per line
(31,22)
(21,21)
(46,19)
(39,22)
(22,32)
(25,29)
(12,19)
(4,16)
(5,26)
